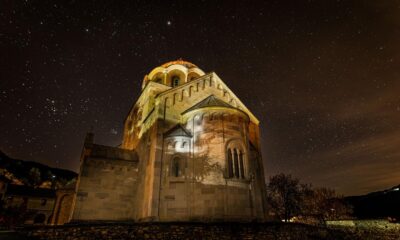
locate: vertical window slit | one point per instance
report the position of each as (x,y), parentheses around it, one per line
(236,161)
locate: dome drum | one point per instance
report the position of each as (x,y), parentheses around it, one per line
(173,73)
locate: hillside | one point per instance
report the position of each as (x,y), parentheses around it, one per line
(380,204)
(32,173)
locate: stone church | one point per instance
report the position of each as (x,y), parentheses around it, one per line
(190,152)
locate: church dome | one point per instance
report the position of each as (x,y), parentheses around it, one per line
(179,62)
(173,73)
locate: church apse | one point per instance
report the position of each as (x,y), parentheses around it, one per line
(194,155)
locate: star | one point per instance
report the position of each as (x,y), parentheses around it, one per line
(321,98)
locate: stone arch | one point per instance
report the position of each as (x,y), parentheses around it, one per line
(184,144)
(204,83)
(192,76)
(155,72)
(176,73)
(177,166)
(191,90)
(158,77)
(176,67)
(167,102)
(197,71)
(207,82)
(175,98)
(184,94)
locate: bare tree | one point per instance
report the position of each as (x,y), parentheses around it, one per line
(288,198)
(284,196)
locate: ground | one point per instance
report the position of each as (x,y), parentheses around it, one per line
(187,230)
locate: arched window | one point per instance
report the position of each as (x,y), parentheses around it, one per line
(230,164)
(175,81)
(241,165)
(176,167)
(235,161)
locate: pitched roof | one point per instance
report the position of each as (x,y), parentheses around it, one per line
(210,101)
(178,130)
(102,151)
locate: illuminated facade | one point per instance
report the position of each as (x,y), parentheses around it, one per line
(190,151)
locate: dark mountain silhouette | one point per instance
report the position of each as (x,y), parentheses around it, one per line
(32,173)
(380,204)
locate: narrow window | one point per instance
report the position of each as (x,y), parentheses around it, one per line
(241,164)
(175,167)
(230,164)
(175,81)
(236,161)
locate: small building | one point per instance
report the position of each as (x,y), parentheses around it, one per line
(36,203)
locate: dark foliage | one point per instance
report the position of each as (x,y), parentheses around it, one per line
(33,173)
(289,198)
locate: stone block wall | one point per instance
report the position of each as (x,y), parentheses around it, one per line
(203,191)
(106,190)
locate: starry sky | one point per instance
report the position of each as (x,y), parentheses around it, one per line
(323,77)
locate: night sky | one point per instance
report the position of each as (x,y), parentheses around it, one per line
(323,77)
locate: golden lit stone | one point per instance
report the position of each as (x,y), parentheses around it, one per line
(190,151)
